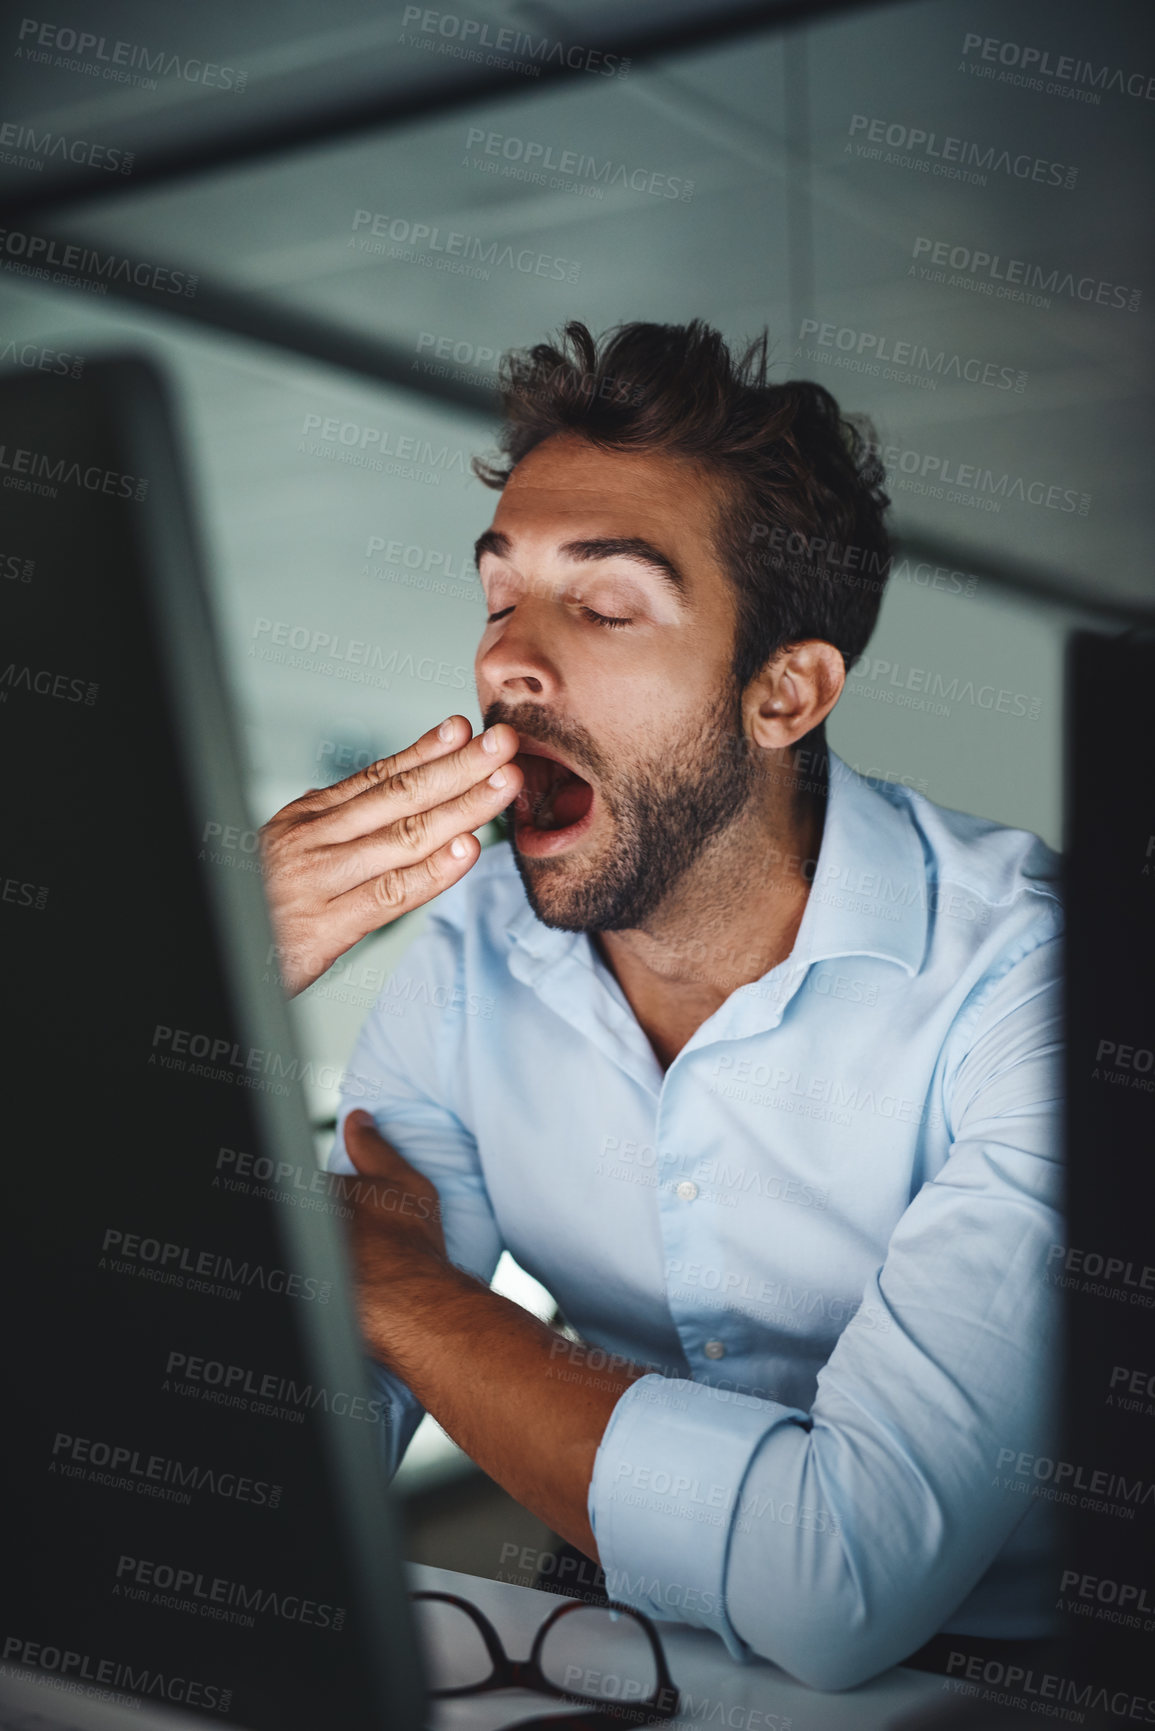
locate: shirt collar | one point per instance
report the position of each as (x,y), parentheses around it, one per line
(868,895)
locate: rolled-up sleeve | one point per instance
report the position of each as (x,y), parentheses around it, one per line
(835,1542)
(402,1070)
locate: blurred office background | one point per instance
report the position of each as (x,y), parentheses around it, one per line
(337,216)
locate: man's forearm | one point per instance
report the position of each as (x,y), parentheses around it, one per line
(494,1379)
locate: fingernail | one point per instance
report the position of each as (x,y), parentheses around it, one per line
(360,1118)
(489,741)
(458,848)
(498,778)
(445,731)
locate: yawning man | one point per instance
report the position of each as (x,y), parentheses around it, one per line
(752,1062)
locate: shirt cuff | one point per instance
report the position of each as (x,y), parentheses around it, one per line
(665,1493)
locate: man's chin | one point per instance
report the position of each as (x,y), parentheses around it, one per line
(561,889)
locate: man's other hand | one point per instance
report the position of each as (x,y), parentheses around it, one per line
(395,1231)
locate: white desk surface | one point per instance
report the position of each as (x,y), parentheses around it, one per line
(699,1665)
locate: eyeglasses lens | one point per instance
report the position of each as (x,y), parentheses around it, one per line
(455,1654)
(602,1654)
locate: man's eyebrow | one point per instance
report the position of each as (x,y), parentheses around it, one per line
(607,547)
(629,547)
(493,541)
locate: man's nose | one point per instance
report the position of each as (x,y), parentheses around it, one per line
(519,662)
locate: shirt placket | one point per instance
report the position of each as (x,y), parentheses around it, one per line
(686,1215)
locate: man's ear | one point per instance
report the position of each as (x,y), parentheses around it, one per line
(794,693)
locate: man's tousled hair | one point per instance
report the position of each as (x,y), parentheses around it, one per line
(799,529)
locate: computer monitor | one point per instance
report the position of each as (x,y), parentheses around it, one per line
(194,1446)
(1106,1268)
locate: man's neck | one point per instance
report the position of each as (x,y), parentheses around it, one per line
(733,917)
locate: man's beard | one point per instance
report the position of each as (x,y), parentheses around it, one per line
(662,817)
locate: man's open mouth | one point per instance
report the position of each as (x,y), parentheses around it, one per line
(554,798)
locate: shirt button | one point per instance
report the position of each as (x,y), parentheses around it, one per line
(687,1190)
(714,1349)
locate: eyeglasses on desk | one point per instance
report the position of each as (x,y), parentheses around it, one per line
(603,1656)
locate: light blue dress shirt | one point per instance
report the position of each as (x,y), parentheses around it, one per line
(825,1226)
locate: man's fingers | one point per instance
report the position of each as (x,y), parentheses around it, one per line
(375,1158)
(367,1148)
(427,749)
(418,786)
(400,889)
(418,834)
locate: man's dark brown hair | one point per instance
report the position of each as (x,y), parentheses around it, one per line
(799,528)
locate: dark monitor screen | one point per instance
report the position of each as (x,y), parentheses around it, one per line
(1107,1268)
(194,1467)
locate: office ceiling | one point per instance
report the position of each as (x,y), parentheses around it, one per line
(777,219)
